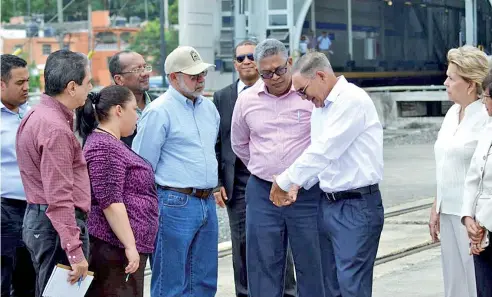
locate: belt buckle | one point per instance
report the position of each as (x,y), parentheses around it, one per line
(331,197)
(193,192)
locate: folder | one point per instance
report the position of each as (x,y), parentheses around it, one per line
(58,285)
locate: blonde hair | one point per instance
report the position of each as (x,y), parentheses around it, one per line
(472,64)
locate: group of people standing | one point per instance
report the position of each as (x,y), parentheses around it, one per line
(304,205)
(300,183)
(461,215)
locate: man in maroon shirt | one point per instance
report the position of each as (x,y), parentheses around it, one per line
(54,171)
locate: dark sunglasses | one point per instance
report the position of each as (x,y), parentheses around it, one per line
(241,58)
(279,71)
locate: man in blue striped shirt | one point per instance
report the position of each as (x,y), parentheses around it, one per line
(18,277)
(177,134)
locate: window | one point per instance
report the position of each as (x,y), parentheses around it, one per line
(276,4)
(277,20)
(46,49)
(227,21)
(226,5)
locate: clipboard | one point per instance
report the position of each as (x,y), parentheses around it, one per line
(58,286)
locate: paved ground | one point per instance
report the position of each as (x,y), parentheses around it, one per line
(418,274)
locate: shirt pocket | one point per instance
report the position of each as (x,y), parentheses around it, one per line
(296,122)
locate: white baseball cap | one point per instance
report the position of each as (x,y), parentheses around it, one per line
(187,60)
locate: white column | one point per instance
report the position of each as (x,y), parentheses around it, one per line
(349,30)
(470,22)
(196,19)
(313,16)
(239,22)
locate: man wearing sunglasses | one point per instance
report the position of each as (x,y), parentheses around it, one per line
(233,174)
(270,129)
(129,69)
(177,135)
(346,157)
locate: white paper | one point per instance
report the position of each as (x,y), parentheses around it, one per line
(58,285)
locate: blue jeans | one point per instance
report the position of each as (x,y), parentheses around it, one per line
(349,236)
(270,229)
(185,259)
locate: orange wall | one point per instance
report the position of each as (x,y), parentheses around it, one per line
(33,50)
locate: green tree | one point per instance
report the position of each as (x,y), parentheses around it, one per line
(146,43)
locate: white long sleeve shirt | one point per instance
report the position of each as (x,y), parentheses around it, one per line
(477,201)
(346,150)
(453,151)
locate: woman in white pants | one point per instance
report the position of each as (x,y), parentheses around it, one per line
(456,142)
(477,202)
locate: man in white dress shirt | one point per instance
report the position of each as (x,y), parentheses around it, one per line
(346,157)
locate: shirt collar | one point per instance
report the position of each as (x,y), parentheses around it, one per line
(53,103)
(472,108)
(22,108)
(263,89)
(181,98)
(240,86)
(337,89)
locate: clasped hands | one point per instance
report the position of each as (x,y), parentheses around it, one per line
(281,198)
(475,234)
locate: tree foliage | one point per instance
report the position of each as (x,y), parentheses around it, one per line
(147,43)
(77,11)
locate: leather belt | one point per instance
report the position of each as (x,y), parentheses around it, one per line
(79,214)
(352,194)
(199,193)
(14,202)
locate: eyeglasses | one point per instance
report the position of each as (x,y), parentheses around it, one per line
(279,71)
(139,70)
(484,97)
(241,58)
(196,76)
(302,93)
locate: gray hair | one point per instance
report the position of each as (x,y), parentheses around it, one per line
(115,66)
(62,67)
(268,48)
(310,63)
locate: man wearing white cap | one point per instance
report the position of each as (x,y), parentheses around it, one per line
(177,134)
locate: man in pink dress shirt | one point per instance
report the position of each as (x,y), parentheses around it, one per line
(270,129)
(54,171)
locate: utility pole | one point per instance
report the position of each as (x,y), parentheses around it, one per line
(146,11)
(163,40)
(60,11)
(89,32)
(29,8)
(166,13)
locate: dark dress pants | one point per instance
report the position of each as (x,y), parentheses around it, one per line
(44,245)
(236,210)
(18,276)
(350,230)
(269,232)
(483,272)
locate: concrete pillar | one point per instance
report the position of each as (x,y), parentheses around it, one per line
(313,16)
(471,22)
(196,19)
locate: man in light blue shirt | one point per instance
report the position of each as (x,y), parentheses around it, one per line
(18,277)
(177,135)
(324,44)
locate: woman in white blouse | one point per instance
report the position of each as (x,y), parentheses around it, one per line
(477,202)
(456,142)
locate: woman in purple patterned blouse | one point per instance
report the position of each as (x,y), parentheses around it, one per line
(124,218)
